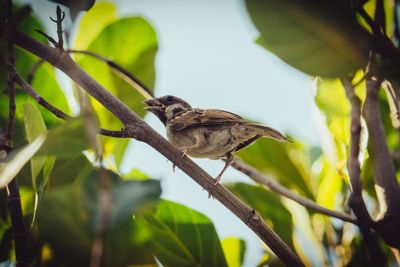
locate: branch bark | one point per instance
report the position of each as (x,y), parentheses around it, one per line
(386,185)
(356,201)
(140,130)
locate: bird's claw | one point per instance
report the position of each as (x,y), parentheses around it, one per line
(183,152)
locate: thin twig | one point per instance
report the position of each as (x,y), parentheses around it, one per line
(274,186)
(105,206)
(356,201)
(140,130)
(20,232)
(48,37)
(58,21)
(33,70)
(130,78)
(134,81)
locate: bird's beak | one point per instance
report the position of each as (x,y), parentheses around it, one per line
(153,105)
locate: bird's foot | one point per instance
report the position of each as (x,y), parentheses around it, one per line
(183,151)
(217,179)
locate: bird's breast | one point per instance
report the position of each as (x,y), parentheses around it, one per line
(209,142)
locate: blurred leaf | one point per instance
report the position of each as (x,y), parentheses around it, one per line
(130,42)
(330,187)
(68,169)
(69,216)
(135,174)
(183,237)
(336,110)
(269,206)
(66,139)
(130,196)
(286,162)
(34,126)
(93,23)
(234,249)
(320,38)
(15,160)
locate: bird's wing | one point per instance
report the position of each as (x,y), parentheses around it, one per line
(269,132)
(203,117)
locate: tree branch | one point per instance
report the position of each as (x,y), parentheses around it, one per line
(274,186)
(131,79)
(141,131)
(20,232)
(386,185)
(356,201)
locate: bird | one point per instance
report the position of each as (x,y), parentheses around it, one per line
(207,133)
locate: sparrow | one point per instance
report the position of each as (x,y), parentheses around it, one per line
(207,133)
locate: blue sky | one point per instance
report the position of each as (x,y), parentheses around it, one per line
(208,57)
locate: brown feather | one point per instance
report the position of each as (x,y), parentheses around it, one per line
(266,131)
(203,117)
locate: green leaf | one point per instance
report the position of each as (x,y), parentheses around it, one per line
(269,206)
(320,38)
(14,161)
(285,161)
(183,237)
(66,139)
(70,214)
(98,17)
(130,196)
(131,42)
(234,249)
(34,126)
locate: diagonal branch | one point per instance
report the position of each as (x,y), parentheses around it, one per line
(274,186)
(131,79)
(141,131)
(356,201)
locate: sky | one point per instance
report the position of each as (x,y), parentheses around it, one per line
(208,57)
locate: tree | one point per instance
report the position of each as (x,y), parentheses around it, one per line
(75,208)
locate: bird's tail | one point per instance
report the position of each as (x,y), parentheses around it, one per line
(269,132)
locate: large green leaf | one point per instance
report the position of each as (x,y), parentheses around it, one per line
(318,37)
(183,237)
(288,163)
(131,42)
(270,207)
(34,126)
(66,139)
(70,215)
(95,19)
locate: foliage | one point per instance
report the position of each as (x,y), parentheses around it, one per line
(61,187)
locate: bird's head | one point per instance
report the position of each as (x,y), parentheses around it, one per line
(167,107)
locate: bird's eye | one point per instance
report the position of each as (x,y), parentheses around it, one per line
(170,99)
